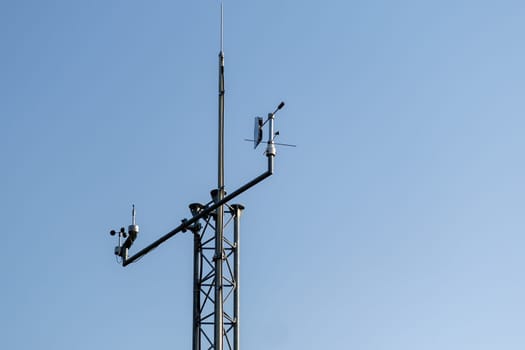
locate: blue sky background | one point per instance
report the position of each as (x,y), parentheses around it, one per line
(397,223)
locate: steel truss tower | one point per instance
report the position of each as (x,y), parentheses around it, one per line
(205,275)
(216,232)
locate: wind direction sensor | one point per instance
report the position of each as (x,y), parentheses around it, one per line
(258,125)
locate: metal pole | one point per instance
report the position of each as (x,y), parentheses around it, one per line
(195,209)
(219,256)
(237,210)
(196,291)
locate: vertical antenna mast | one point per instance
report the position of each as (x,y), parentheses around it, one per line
(219,235)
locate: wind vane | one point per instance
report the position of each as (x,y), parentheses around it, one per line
(258,130)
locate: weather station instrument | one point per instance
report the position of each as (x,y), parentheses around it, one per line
(216,263)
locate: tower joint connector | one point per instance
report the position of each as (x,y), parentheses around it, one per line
(221,257)
(195,227)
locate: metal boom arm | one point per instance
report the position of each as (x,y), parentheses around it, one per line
(187,223)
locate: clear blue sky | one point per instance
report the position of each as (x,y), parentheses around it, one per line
(397,223)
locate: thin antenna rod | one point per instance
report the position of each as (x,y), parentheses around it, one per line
(222,28)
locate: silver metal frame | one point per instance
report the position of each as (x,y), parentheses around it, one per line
(216,261)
